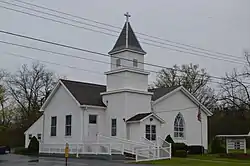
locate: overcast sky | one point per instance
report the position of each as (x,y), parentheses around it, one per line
(218,25)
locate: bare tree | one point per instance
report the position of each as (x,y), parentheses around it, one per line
(195,80)
(29,87)
(235,88)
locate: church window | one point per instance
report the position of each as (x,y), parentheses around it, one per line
(150,132)
(68,122)
(135,62)
(92,119)
(113,127)
(179,126)
(118,62)
(53,126)
(30,136)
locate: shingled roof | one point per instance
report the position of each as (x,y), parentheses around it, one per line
(138,117)
(160,92)
(85,93)
(133,43)
(89,94)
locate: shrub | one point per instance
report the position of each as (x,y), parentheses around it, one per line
(34,145)
(216,146)
(195,149)
(180,153)
(169,139)
(21,150)
(177,147)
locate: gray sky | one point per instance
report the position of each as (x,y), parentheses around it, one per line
(218,25)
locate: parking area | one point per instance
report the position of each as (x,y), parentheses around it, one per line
(11,160)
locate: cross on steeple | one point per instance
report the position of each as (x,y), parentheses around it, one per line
(127,15)
(127,40)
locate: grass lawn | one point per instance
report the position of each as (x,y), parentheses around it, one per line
(205,160)
(239,151)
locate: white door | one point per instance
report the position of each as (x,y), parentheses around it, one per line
(92,128)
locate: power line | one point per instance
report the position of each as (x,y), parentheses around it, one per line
(112,26)
(66,55)
(74,56)
(109,34)
(118,32)
(94,52)
(95,72)
(53,63)
(80,22)
(72,67)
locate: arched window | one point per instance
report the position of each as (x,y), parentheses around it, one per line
(179,126)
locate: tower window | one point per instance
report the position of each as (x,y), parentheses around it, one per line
(135,62)
(118,62)
(113,127)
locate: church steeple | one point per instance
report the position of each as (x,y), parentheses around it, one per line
(127,40)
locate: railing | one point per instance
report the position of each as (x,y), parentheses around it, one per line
(162,143)
(158,153)
(83,148)
(129,146)
(146,141)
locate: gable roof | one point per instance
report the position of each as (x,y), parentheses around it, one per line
(160,92)
(90,94)
(85,93)
(133,44)
(142,116)
(186,93)
(138,117)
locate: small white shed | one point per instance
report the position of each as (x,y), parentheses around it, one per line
(235,142)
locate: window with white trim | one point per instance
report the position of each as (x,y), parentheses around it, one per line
(39,136)
(118,62)
(135,62)
(68,122)
(30,136)
(53,126)
(113,127)
(179,126)
(150,132)
(92,119)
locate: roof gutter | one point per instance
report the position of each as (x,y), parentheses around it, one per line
(92,106)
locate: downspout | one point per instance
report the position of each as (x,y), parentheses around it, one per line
(43,125)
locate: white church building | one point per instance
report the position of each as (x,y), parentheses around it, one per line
(122,111)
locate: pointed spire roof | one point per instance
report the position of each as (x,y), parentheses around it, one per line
(127,41)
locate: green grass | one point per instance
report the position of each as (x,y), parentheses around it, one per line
(238,151)
(206,160)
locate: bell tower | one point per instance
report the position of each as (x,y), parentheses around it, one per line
(127,62)
(127,81)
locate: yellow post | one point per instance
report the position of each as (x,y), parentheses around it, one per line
(66,153)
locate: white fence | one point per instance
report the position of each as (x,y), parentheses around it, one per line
(129,146)
(143,151)
(161,150)
(156,153)
(84,148)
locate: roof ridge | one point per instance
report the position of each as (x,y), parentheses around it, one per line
(86,83)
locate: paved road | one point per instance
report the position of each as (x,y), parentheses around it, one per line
(12,160)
